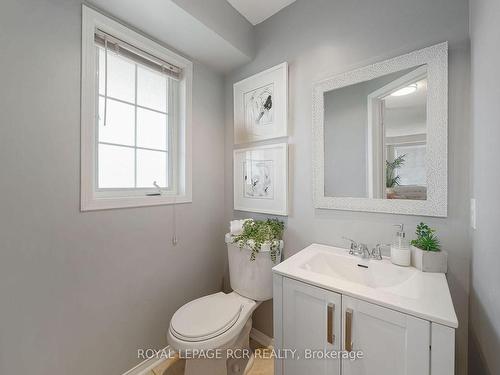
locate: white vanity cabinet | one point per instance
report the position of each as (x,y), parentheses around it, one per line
(391,342)
(308,317)
(311,320)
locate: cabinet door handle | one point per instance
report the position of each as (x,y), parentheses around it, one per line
(348,330)
(330,323)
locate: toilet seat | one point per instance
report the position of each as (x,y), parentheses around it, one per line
(206,317)
(210,322)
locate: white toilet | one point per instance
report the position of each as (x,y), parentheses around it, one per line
(219,321)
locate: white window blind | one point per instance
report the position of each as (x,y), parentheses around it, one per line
(135,123)
(127,50)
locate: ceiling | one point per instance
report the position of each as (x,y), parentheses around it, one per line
(189,28)
(256,11)
(217,33)
(407,115)
(416,99)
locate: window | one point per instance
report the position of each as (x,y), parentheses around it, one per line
(413,170)
(135,118)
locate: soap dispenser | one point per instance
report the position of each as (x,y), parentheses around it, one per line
(400,248)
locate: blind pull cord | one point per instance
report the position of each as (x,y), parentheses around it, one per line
(174,213)
(105,80)
(174,223)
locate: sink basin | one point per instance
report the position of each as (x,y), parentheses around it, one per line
(405,289)
(373,274)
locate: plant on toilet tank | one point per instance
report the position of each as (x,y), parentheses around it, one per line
(260,235)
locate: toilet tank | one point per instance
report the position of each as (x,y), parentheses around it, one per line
(251,278)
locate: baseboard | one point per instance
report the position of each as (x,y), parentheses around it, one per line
(261,338)
(147,365)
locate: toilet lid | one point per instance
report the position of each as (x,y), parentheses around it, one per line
(206,317)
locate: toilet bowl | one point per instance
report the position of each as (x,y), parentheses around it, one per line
(210,322)
(212,332)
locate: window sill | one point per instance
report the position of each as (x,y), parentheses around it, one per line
(101,203)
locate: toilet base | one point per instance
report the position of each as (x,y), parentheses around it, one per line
(240,366)
(230,363)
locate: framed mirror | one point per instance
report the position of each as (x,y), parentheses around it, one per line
(380,136)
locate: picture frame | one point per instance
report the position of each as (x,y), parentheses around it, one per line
(261,106)
(261,179)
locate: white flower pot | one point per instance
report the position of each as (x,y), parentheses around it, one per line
(429,261)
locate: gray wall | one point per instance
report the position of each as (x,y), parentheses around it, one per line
(345,133)
(320,38)
(485,278)
(221,17)
(81,292)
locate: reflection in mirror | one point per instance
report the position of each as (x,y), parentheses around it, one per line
(375,137)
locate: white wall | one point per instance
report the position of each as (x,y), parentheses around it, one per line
(320,38)
(81,292)
(485,281)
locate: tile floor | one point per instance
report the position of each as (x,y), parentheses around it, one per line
(262,365)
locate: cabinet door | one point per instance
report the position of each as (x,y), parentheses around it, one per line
(311,322)
(392,342)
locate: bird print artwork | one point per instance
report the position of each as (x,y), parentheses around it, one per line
(259,109)
(266,107)
(258,179)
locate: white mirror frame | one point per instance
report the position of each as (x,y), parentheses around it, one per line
(436,204)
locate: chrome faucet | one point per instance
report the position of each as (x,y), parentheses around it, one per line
(358,249)
(361,250)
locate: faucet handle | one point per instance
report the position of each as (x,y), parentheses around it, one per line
(363,250)
(377,252)
(352,246)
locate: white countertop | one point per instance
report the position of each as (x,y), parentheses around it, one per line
(421,294)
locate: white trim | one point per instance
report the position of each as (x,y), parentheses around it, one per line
(147,365)
(442,349)
(436,59)
(278,319)
(261,338)
(91,20)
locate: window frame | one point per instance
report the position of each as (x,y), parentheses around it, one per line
(93,198)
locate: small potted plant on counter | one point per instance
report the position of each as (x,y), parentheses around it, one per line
(426,254)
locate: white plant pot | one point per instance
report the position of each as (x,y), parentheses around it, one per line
(429,261)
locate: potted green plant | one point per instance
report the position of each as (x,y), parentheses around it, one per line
(426,254)
(391,178)
(262,236)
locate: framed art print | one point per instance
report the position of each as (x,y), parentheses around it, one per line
(261,106)
(261,179)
